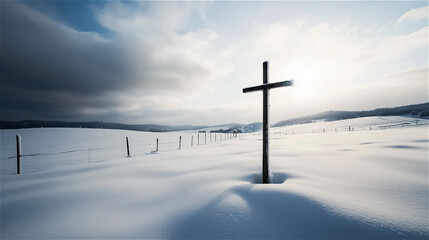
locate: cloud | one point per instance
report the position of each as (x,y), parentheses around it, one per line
(393,46)
(163,63)
(332,62)
(175,57)
(414,15)
(412,76)
(52,71)
(408,86)
(40,54)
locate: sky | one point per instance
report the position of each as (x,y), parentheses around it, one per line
(187,62)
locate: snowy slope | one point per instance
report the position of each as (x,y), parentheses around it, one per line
(78,145)
(352,185)
(364,123)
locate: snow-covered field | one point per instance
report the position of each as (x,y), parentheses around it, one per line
(363,184)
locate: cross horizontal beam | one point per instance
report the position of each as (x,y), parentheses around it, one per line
(268,86)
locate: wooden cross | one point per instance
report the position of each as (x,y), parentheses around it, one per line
(266,175)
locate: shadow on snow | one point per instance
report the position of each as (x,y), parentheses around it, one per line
(264,212)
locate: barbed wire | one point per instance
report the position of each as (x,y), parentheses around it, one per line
(169,143)
(141,145)
(319,130)
(104,148)
(45,154)
(78,150)
(11,148)
(48,154)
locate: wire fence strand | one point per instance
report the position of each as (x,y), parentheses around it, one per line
(217,137)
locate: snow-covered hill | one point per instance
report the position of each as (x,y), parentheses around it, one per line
(362,184)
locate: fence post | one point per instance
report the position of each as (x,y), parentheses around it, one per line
(205,138)
(198,139)
(128,147)
(157,144)
(18,154)
(180,142)
(215,137)
(192,140)
(89,155)
(210,137)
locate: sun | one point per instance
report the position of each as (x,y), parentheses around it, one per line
(305,76)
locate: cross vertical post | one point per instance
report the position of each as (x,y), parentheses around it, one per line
(265,87)
(157,144)
(18,154)
(265,129)
(128,147)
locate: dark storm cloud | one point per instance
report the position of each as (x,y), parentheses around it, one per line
(39,54)
(51,71)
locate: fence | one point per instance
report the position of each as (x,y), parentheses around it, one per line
(33,158)
(14,160)
(326,128)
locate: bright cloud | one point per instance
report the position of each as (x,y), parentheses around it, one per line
(150,34)
(327,59)
(414,14)
(186,62)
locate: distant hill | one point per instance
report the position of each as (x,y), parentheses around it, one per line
(97,124)
(240,128)
(417,110)
(137,127)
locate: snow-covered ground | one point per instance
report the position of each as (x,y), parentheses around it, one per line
(363,184)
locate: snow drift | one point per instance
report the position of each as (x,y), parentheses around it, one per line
(354,185)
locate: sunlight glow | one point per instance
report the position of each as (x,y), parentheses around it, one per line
(305,76)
